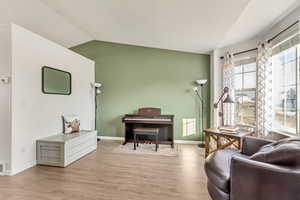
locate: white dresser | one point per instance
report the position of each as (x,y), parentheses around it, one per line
(61,150)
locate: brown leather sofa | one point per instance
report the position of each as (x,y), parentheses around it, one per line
(234,175)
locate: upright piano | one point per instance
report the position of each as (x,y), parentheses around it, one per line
(150,118)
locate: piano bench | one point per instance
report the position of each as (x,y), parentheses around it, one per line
(146,131)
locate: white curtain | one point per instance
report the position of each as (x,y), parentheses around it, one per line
(264,90)
(228,81)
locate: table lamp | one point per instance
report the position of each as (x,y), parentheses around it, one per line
(223,101)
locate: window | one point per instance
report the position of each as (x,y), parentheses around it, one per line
(245,93)
(285,90)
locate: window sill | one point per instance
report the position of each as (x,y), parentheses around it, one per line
(284,133)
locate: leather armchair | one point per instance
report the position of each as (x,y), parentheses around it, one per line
(232,175)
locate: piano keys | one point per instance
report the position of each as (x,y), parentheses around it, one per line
(150,118)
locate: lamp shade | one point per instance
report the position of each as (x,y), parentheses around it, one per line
(228,99)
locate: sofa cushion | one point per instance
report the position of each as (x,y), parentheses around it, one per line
(217,168)
(282,152)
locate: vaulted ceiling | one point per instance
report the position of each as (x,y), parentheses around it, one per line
(185,25)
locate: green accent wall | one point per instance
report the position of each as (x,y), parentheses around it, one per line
(135,77)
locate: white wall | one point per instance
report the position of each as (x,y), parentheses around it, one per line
(34,114)
(34,15)
(216,84)
(5,71)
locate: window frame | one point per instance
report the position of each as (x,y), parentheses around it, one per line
(243,89)
(286,130)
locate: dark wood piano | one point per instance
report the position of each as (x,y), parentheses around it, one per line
(150,118)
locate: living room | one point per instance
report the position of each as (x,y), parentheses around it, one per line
(149,99)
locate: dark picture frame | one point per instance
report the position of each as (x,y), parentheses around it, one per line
(44,79)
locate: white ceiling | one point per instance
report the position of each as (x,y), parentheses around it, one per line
(190,25)
(185,25)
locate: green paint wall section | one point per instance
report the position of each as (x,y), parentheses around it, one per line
(135,77)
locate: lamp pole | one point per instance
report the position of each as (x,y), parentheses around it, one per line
(201,116)
(97,91)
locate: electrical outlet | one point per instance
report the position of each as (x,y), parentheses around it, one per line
(4,80)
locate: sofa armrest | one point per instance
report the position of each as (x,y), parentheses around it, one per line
(262,181)
(251,145)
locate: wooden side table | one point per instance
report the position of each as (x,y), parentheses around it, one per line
(231,139)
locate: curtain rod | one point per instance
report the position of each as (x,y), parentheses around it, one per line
(270,40)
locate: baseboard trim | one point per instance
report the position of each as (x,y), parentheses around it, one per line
(7,173)
(26,166)
(176,141)
(110,138)
(187,142)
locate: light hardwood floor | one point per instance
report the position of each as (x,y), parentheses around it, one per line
(103,175)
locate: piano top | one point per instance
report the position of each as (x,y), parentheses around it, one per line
(159,119)
(148,116)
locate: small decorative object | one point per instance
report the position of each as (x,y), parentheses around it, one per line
(71,124)
(224,99)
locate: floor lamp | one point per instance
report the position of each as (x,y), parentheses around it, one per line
(96,87)
(201,83)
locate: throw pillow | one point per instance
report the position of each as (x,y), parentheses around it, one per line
(282,152)
(71,124)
